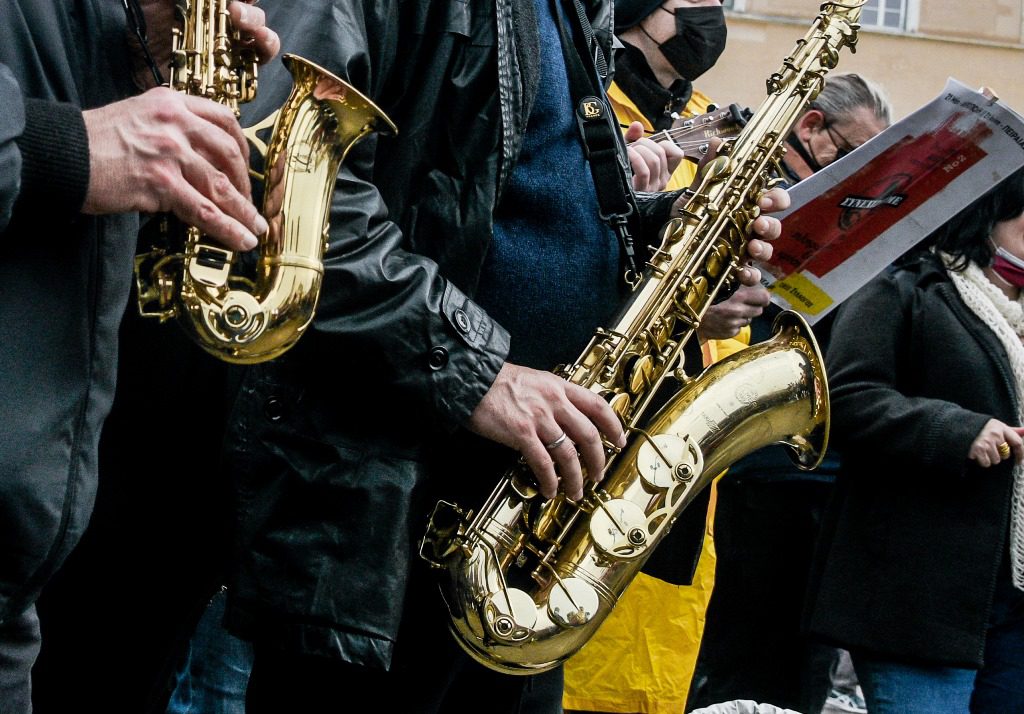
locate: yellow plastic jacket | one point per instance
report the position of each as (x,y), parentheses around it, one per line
(642,658)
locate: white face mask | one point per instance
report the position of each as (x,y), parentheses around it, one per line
(1008,267)
(1009,257)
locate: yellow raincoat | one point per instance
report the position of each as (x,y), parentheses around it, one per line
(642,658)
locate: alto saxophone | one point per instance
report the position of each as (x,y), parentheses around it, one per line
(528,581)
(241,318)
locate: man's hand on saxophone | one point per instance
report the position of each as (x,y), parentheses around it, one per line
(160,20)
(166,151)
(251,22)
(552,423)
(765,227)
(726,318)
(555,424)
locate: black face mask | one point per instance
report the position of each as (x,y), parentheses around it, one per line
(698,42)
(810,159)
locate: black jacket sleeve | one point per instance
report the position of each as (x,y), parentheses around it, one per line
(410,327)
(875,408)
(44,155)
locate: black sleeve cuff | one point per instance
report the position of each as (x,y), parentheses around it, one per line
(469,351)
(655,212)
(55,161)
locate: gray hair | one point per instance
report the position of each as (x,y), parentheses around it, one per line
(845,93)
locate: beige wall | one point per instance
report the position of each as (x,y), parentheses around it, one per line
(994,20)
(990,20)
(912,67)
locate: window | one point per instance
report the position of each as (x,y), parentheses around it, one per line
(887,14)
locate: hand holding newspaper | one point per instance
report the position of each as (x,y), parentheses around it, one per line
(849,221)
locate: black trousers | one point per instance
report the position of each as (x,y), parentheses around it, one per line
(19,647)
(444,680)
(430,674)
(752,646)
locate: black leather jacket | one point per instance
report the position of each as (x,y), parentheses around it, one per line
(331,445)
(64,279)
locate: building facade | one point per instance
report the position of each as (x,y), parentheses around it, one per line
(909,46)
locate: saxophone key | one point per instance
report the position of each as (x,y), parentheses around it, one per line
(618,529)
(572,602)
(510,614)
(667,459)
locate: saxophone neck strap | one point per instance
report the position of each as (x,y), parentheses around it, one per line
(137,24)
(599,131)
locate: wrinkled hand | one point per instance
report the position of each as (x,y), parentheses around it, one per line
(166,151)
(725,319)
(526,409)
(653,162)
(985,447)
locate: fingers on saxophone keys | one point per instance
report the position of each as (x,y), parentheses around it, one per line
(555,463)
(567,465)
(197,210)
(224,119)
(542,465)
(250,22)
(749,276)
(776,199)
(596,409)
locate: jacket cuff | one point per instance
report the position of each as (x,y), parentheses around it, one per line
(655,212)
(469,349)
(949,439)
(55,160)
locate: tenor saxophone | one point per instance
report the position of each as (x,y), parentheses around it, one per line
(253,317)
(528,581)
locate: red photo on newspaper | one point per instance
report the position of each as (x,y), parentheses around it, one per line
(852,219)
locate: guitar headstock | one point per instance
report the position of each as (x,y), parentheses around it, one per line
(693,134)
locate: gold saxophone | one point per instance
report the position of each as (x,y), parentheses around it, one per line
(528,581)
(248,319)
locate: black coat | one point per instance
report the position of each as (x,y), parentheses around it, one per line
(914,537)
(64,280)
(332,444)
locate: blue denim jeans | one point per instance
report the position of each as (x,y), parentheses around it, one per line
(214,675)
(997,688)
(895,688)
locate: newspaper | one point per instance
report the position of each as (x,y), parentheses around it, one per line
(849,221)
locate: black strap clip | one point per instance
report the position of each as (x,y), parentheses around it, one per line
(610,178)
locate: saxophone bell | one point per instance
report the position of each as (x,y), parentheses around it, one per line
(525,616)
(249,318)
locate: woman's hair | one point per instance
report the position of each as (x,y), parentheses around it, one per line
(966,236)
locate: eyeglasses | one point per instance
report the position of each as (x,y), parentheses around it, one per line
(841,149)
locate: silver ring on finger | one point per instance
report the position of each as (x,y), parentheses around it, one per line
(556,443)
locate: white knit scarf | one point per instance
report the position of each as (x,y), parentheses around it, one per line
(1005,317)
